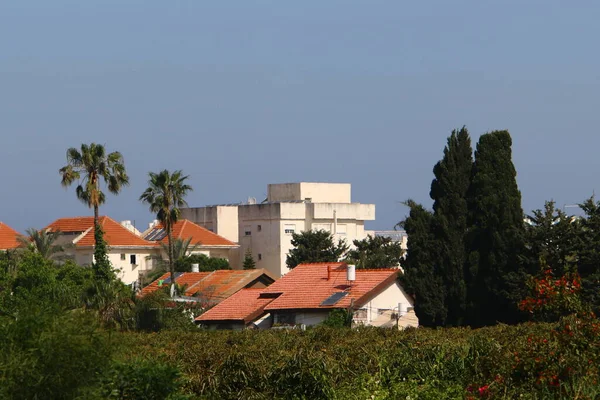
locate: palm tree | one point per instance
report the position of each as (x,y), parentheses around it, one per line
(89,166)
(43,242)
(164,196)
(181,248)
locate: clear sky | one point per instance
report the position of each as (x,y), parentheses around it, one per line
(240,94)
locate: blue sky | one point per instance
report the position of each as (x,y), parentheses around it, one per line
(240,94)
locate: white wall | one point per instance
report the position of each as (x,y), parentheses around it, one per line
(125,271)
(387,300)
(315,191)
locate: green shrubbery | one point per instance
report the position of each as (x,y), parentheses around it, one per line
(533,360)
(61,339)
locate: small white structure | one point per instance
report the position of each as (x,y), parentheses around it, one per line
(266,228)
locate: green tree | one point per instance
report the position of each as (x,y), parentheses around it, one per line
(496,277)
(181,249)
(448,192)
(422,277)
(588,253)
(551,237)
(44,243)
(315,246)
(249,262)
(88,167)
(165,195)
(375,252)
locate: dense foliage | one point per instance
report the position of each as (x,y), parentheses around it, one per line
(315,246)
(375,252)
(529,361)
(470,250)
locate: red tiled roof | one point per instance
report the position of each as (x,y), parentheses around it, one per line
(185,229)
(8,237)
(187,278)
(245,305)
(115,234)
(216,285)
(307,286)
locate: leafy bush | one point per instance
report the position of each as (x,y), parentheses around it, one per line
(532,360)
(141,379)
(48,356)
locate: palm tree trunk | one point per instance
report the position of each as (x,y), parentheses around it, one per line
(171,262)
(96,222)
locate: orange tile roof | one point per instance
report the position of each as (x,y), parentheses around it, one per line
(214,286)
(8,237)
(186,278)
(185,229)
(307,286)
(245,305)
(115,234)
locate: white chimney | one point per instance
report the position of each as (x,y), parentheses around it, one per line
(351,272)
(152,224)
(195,267)
(402,309)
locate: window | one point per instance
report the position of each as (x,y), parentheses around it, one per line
(247,230)
(341,229)
(132,259)
(286,319)
(123,256)
(259,228)
(289,228)
(259,256)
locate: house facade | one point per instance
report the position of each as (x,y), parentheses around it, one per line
(127,252)
(266,228)
(307,294)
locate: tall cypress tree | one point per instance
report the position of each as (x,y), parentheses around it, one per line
(496,277)
(421,277)
(449,195)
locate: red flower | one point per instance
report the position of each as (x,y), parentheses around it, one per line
(483,390)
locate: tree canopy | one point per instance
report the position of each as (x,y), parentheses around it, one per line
(375,252)
(164,196)
(315,246)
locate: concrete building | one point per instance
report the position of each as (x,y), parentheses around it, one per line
(266,228)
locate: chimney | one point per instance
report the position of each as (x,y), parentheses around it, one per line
(351,272)
(195,267)
(328,272)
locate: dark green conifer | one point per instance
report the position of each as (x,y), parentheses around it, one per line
(449,191)
(422,276)
(495,277)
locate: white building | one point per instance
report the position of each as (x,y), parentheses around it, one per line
(130,254)
(266,228)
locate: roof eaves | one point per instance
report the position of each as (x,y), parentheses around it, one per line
(376,290)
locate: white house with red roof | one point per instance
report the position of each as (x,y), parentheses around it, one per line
(9,238)
(307,294)
(129,253)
